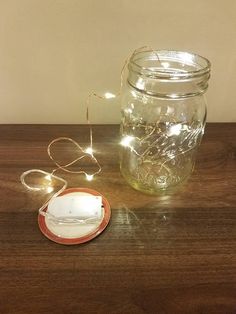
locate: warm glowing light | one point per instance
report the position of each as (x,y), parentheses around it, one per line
(175,129)
(174,96)
(89,150)
(126,141)
(49,189)
(48,177)
(109,95)
(89,177)
(129,110)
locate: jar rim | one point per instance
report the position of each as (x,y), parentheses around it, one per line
(188,64)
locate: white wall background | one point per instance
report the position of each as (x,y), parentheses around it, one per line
(53,53)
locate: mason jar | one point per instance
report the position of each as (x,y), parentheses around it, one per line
(163,118)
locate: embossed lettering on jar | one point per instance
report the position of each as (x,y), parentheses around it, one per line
(163,118)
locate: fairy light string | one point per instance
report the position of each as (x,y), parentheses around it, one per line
(82,153)
(88,151)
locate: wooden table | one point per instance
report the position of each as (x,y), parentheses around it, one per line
(168,254)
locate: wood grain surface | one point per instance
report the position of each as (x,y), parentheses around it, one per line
(167,254)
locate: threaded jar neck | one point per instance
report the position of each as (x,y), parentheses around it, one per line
(169,74)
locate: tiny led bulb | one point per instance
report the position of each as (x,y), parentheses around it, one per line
(89,177)
(48,177)
(89,150)
(175,129)
(126,141)
(109,95)
(129,110)
(49,189)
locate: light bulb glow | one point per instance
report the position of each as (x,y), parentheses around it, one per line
(175,129)
(128,110)
(49,189)
(89,177)
(89,150)
(126,141)
(48,177)
(109,95)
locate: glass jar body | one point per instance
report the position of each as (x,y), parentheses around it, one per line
(160,132)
